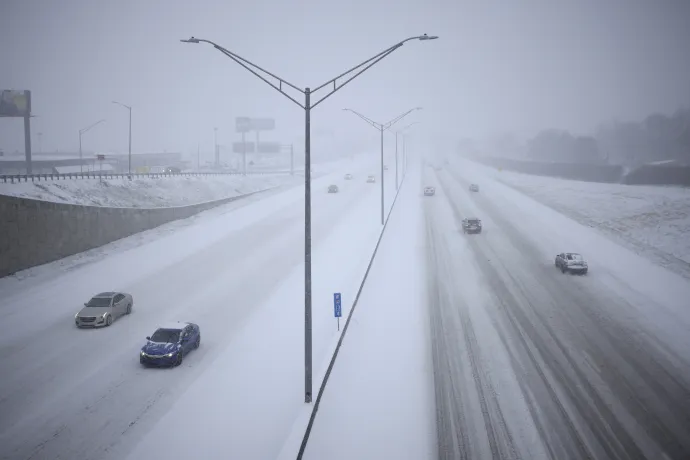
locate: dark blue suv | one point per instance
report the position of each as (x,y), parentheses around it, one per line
(169,344)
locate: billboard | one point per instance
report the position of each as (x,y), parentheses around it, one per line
(15,103)
(263,124)
(243,124)
(246,124)
(269,147)
(237,147)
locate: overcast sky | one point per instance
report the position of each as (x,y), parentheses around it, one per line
(499,66)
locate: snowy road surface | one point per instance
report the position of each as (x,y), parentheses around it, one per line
(532,363)
(81,394)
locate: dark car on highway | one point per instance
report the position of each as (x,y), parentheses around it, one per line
(332,189)
(471,225)
(571,262)
(170,344)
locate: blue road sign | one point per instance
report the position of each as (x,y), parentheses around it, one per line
(337,308)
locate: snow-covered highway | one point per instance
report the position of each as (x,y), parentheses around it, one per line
(532,363)
(236,271)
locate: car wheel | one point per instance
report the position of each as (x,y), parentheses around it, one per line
(178,361)
(108,320)
(198,342)
(129,309)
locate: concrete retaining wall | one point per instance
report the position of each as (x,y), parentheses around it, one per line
(34,232)
(658,175)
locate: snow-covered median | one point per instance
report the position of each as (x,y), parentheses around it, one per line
(651,220)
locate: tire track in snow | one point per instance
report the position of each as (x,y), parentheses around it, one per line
(450,372)
(649,414)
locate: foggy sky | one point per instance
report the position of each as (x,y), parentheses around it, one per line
(499,66)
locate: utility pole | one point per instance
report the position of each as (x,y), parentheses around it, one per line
(129,168)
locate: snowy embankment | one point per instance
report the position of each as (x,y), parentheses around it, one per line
(650,220)
(156,192)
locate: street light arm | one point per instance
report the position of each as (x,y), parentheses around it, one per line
(401,130)
(377,58)
(363,67)
(368,120)
(399,117)
(83,130)
(123,105)
(254,69)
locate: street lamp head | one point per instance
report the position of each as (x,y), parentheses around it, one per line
(190,40)
(428,37)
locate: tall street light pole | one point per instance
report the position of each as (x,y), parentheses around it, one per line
(129,169)
(81,132)
(383,127)
(396,150)
(308,105)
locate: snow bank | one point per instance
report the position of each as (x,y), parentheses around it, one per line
(144,192)
(652,221)
(155,192)
(379,401)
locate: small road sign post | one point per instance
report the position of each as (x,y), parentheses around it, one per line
(337,307)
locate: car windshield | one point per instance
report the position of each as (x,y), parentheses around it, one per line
(99,302)
(166,336)
(473,221)
(574,257)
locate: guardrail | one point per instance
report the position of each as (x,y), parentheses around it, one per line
(17,178)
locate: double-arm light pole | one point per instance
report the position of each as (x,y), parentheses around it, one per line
(396,150)
(381,127)
(129,168)
(278,84)
(81,132)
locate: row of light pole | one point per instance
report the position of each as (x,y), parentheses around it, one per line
(381,127)
(84,130)
(307,106)
(404,165)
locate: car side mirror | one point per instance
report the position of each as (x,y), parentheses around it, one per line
(148,338)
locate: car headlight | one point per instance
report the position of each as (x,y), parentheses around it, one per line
(170,355)
(142,353)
